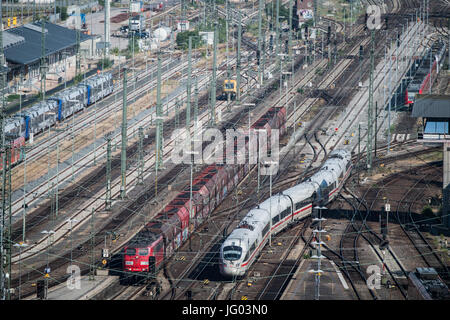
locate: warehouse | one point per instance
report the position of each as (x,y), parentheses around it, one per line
(23,52)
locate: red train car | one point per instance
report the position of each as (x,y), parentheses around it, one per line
(15,151)
(161,237)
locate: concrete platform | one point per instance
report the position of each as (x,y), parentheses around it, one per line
(88,289)
(332,283)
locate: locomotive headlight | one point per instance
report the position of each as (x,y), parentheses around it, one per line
(144,263)
(128,263)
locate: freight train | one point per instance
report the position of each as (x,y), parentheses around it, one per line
(45,114)
(244,244)
(164,234)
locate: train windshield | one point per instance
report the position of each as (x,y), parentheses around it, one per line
(229,85)
(143,252)
(232,253)
(130,252)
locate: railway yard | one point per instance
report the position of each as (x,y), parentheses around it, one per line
(132,195)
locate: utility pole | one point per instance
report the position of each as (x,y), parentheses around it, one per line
(43,60)
(390,103)
(376,128)
(78,54)
(260,8)
(5,234)
(107,26)
(123,155)
(159,120)
(92,266)
(227,23)
(370,108)
(277,34)
(108,174)
(318,242)
(316,14)
(291,58)
(188,87)
(3,159)
(238,60)
(196,102)
(6,225)
(213,81)
(141,156)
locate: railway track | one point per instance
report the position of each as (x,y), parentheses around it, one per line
(411,228)
(286,268)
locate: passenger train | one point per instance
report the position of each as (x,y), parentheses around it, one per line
(173,226)
(45,114)
(243,245)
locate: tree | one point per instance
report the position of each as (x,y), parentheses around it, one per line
(63,11)
(183,39)
(130,47)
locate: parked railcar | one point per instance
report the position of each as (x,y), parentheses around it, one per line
(273,215)
(58,107)
(426,73)
(69,101)
(41,116)
(14,135)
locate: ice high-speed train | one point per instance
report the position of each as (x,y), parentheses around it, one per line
(239,250)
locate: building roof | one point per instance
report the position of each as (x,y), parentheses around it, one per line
(431,106)
(28,50)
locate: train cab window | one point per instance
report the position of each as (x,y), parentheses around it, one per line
(229,85)
(143,252)
(245,225)
(232,253)
(158,247)
(130,252)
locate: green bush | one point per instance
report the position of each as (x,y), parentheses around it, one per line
(12,97)
(105,63)
(115,51)
(63,11)
(427,211)
(183,39)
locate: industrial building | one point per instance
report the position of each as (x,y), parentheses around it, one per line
(23,52)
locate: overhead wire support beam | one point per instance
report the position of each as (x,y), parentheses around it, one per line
(108,175)
(238,59)
(159,120)
(123,155)
(260,8)
(213,79)
(370,107)
(189,86)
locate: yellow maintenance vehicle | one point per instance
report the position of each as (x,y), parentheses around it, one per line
(229,88)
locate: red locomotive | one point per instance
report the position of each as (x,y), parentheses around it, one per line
(156,243)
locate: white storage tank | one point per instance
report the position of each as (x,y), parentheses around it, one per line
(162,33)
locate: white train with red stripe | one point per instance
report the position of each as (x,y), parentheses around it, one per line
(239,250)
